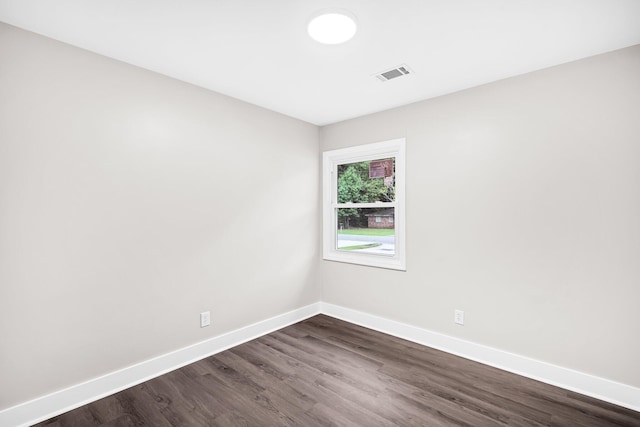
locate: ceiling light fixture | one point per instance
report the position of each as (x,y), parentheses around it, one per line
(332,26)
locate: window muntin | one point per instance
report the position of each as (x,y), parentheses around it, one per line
(363,209)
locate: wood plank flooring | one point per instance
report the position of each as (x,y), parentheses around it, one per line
(326,372)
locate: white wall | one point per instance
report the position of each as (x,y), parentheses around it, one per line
(129,203)
(523,210)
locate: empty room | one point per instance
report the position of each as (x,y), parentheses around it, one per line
(320,213)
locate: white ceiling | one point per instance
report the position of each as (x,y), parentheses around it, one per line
(259,51)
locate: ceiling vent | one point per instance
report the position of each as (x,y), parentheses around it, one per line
(399,71)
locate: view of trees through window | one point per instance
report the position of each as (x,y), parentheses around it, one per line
(369,228)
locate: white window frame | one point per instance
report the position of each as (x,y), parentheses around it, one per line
(330,161)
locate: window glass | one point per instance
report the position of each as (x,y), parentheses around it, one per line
(366,182)
(363,207)
(359,230)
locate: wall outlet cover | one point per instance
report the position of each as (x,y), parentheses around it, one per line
(205,319)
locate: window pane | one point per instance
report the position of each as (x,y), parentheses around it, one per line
(360,231)
(367,182)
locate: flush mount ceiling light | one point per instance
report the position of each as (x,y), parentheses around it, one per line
(332,26)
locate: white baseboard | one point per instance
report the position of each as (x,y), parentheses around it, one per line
(56,403)
(600,388)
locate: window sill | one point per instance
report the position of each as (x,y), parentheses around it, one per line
(390,263)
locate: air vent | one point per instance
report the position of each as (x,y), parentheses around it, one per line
(401,70)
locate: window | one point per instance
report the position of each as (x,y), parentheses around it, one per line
(363,205)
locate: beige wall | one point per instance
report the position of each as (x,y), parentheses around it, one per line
(523,210)
(131,202)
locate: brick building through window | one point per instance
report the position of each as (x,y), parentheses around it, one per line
(380,219)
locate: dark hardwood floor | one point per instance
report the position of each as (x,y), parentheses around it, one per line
(325,372)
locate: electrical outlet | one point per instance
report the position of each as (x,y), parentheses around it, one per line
(458,317)
(205,319)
